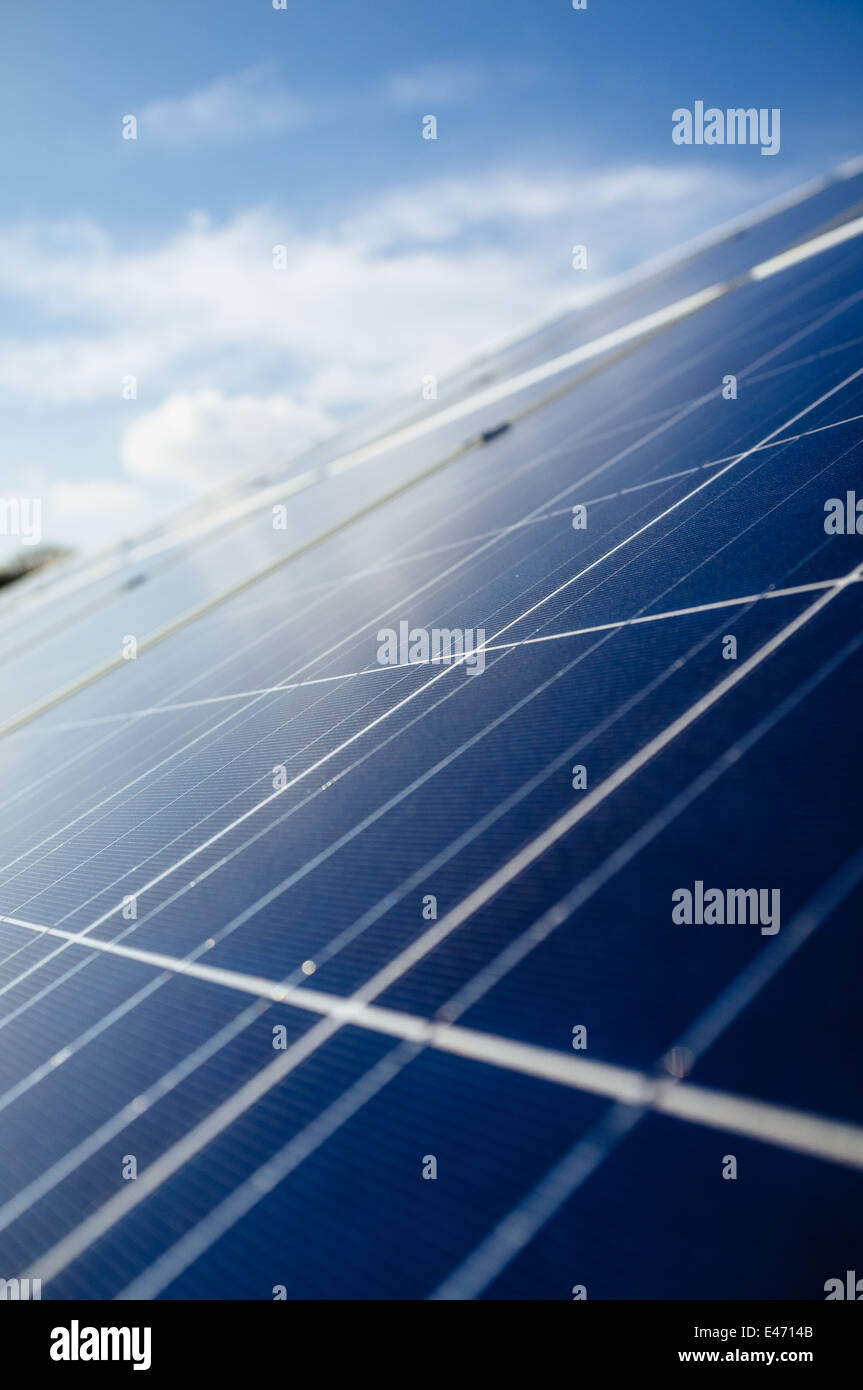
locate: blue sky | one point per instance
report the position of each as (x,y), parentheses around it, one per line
(302,127)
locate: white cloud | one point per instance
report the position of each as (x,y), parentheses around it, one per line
(240,104)
(101,508)
(445,83)
(433,85)
(237,362)
(414,282)
(197,439)
(254,103)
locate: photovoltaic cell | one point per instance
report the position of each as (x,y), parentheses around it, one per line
(255,826)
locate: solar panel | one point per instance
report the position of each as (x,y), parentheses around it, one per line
(439,894)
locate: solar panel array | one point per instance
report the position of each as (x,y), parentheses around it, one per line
(332,978)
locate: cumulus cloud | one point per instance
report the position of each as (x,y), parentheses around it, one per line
(413,282)
(238,363)
(102,508)
(198,438)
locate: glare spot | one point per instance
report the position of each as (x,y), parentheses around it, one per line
(679,1061)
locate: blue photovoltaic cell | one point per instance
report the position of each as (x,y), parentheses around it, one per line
(258,799)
